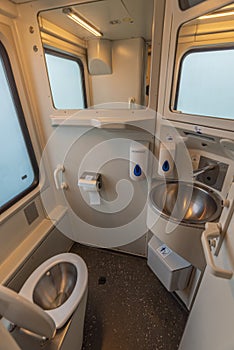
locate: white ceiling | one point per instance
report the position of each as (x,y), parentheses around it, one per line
(102,12)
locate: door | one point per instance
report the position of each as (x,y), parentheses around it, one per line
(210,323)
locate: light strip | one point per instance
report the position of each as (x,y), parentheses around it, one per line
(216,15)
(81,21)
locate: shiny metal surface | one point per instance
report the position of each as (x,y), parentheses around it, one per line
(205,169)
(55,286)
(186,202)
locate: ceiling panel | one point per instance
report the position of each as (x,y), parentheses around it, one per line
(131,18)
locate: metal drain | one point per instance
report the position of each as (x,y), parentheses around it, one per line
(102,280)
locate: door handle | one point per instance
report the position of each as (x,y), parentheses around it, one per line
(213,230)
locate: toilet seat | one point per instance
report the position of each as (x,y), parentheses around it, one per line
(62,313)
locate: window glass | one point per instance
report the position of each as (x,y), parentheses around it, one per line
(18,169)
(206,84)
(186,4)
(66,81)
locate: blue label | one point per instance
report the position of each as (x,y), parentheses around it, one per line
(166,166)
(137,170)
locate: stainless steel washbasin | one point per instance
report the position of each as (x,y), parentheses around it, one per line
(55,286)
(188,203)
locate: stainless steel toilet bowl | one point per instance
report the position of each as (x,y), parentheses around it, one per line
(55,286)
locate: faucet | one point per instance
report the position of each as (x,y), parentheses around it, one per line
(204,169)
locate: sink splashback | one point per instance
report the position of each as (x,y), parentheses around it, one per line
(213,178)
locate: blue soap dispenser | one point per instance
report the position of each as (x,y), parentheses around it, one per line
(166,158)
(139,152)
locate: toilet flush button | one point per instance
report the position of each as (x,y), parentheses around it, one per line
(164,251)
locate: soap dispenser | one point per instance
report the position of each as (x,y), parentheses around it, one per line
(139,153)
(166,158)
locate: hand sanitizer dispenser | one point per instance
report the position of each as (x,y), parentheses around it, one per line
(139,153)
(166,158)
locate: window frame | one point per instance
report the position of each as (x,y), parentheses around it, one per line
(23,127)
(175,95)
(71,57)
(174,19)
(187,7)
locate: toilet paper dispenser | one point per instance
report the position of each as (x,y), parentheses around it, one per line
(91,183)
(90,180)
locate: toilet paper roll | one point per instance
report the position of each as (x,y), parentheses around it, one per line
(94,198)
(91,184)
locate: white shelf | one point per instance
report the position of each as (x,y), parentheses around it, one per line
(105,119)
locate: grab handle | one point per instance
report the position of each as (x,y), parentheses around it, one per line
(212,230)
(59,169)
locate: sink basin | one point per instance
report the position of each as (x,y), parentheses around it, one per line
(187,203)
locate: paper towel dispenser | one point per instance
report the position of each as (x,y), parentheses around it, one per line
(100,56)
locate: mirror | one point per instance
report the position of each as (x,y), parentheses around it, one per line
(118,58)
(204,74)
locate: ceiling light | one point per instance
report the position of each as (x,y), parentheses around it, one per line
(82,21)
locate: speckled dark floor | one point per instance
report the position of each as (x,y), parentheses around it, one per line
(128,308)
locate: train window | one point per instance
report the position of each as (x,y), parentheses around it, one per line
(186,4)
(18,167)
(206,83)
(66,76)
